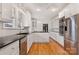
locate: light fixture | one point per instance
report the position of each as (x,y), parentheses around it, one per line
(53,9)
(38,9)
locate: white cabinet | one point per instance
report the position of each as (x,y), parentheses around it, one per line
(8,14)
(11,49)
(7,11)
(74,9)
(19,19)
(26,19)
(71,9)
(57,37)
(61,14)
(34,24)
(67,12)
(0,10)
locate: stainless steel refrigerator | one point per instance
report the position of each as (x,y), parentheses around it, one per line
(71,34)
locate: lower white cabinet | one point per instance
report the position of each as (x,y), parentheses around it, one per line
(57,37)
(11,49)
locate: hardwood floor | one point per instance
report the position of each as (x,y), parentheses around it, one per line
(50,48)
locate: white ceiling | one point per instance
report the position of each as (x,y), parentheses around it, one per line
(44,9)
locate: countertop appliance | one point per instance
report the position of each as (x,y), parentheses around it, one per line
(71,34)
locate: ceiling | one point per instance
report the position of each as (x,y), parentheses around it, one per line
(43,10)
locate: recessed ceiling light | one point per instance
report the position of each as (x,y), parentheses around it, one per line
(53,9)
(38,9)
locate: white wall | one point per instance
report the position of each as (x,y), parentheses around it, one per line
(40,23)
(39,26)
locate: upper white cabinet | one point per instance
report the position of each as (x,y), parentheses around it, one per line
(34,24)
(20,17)
(75,9)
(26,19)
(10,13)
(65,12)
(7,11)
(0,10)
(61,14)
(71,9)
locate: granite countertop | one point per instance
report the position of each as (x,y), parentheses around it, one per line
(4,41)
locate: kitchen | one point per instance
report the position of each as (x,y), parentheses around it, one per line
(25,24)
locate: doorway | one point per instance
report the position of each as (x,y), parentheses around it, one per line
(45,27)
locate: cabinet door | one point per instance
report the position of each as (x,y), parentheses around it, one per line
(23,46)
(0,11)
(6,10)
(11,49)
(26,19)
